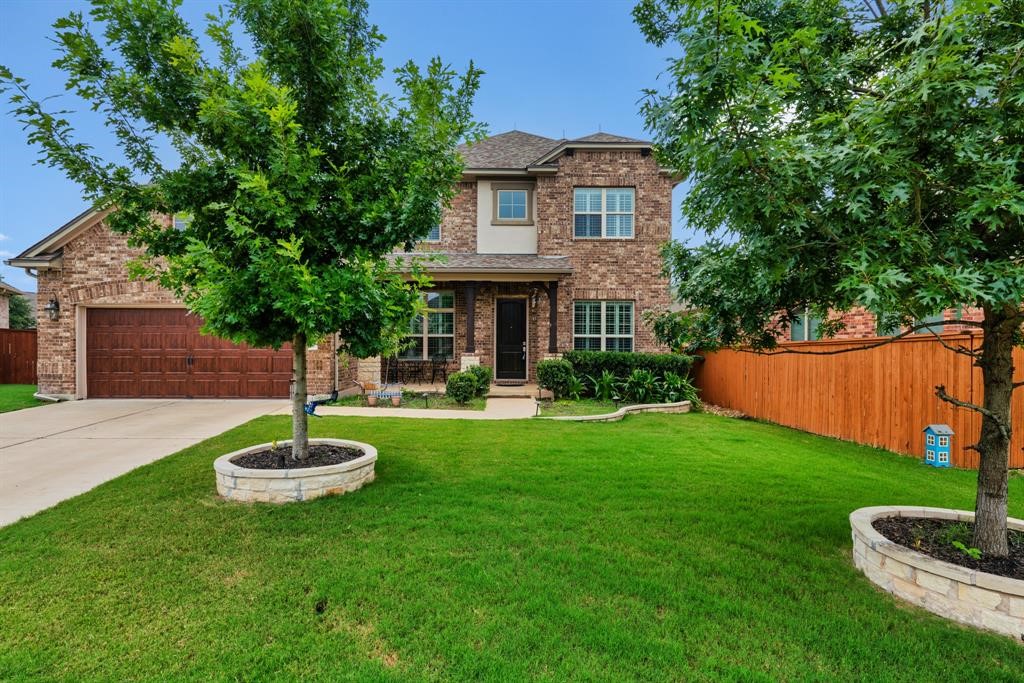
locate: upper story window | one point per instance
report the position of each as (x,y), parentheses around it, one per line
(603,212)
(434,235)
(513,204)
(181,221)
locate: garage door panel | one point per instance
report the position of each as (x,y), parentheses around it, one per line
(158,353)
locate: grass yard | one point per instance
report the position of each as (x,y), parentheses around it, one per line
(664,547)
(18,396)
(414,400)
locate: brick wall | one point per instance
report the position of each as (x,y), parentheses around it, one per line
(94,273)
(625,269)
(861,324)
(458,224)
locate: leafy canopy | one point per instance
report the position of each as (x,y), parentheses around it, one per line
(296,174)
(21,315)
(841,159)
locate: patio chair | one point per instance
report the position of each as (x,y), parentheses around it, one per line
(412,372)
(439,366)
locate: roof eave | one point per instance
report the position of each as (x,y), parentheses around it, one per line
(45,262)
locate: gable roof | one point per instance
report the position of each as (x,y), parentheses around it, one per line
(516,150)
(47,251)
(9,290)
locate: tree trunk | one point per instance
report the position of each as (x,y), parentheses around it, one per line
(996,364)
(300,424)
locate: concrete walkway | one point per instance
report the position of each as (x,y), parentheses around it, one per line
(54,452)
(496,409)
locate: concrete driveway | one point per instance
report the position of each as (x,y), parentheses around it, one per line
(54,452)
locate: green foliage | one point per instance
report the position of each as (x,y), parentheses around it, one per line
(641,386)
(621,364)
(604,385)
(21,314)
(574,388)
(482,374)
(297,173)
(554,375)
(675,388)
(973,553)
(851,160)
(461,387)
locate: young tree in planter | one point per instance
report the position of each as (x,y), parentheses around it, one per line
(296,176)
(847,154)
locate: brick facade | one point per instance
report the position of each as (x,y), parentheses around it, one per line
(861,324)
(94,273)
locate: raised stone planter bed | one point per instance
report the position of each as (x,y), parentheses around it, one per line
(292,485)
(679,407)
(978,599)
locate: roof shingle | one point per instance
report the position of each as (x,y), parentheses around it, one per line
(505,263)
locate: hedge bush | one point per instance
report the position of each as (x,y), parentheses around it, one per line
(461,387)
(482,375)
(586,364)
(554,375)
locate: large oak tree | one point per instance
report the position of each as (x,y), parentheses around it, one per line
(846,154)
(296,174)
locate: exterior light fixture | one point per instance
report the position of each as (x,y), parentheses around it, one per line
(52,308)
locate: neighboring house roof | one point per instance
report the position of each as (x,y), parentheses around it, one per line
(8,290)
(518,151)
(485,264)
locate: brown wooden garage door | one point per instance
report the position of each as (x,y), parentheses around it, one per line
(159,353)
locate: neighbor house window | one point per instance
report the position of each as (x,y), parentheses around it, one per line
(432,335)
(603,326)
(603,212)
(939,324)
(513,204)
(181,221)
(805,328)
(434,235)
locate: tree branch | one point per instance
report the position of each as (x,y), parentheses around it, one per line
(873,345)
(1004,428)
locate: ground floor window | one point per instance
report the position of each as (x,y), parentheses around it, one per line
(805,328)
(603,325)
(433,335)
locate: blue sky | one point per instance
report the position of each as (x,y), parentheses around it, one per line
(552,67)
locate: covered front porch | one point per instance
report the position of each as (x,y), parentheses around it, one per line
(499,311)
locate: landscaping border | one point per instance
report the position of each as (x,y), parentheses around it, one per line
(295,484)
(979,599)
(678,407)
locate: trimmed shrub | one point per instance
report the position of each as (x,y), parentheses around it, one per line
(482,375)
(461,387)
(622,364)
(554,374)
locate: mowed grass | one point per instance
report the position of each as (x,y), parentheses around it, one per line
(17,396)
(664,547)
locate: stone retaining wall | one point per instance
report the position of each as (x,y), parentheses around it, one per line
(291,485)
(970,597)
(680,407)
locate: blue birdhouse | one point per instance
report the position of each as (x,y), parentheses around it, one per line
(938,445)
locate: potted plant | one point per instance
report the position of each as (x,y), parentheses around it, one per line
(371,399)
(396,399)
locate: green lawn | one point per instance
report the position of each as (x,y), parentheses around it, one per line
(17,396)
(586,406)
(663,547)
(414,400)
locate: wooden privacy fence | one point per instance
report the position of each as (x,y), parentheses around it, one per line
(880,397)
(17,356)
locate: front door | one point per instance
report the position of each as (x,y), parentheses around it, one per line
(511,339)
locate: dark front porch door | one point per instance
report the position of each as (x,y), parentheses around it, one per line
(511,339)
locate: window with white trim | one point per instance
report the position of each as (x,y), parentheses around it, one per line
(943,457)
(805,328)
(603,325)
(931,440)
(944,441)
(603,212)
(432,335)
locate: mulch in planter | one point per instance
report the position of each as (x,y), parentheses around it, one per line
(281,458)
(935,538)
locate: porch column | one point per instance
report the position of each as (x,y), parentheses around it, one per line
(553,317)
(470,318)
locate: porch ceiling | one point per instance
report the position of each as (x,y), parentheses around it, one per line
(449,266)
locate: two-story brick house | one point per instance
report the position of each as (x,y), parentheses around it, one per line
(549,245)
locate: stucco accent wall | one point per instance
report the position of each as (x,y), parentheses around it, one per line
(5,311)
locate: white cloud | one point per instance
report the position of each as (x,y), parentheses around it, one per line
(3,237)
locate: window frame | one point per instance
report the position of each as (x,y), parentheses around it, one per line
(805,323)
(604,213)
(497,189)
(425,335)
(433,240)
(603,329)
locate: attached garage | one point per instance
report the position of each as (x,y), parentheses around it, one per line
(160,353)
